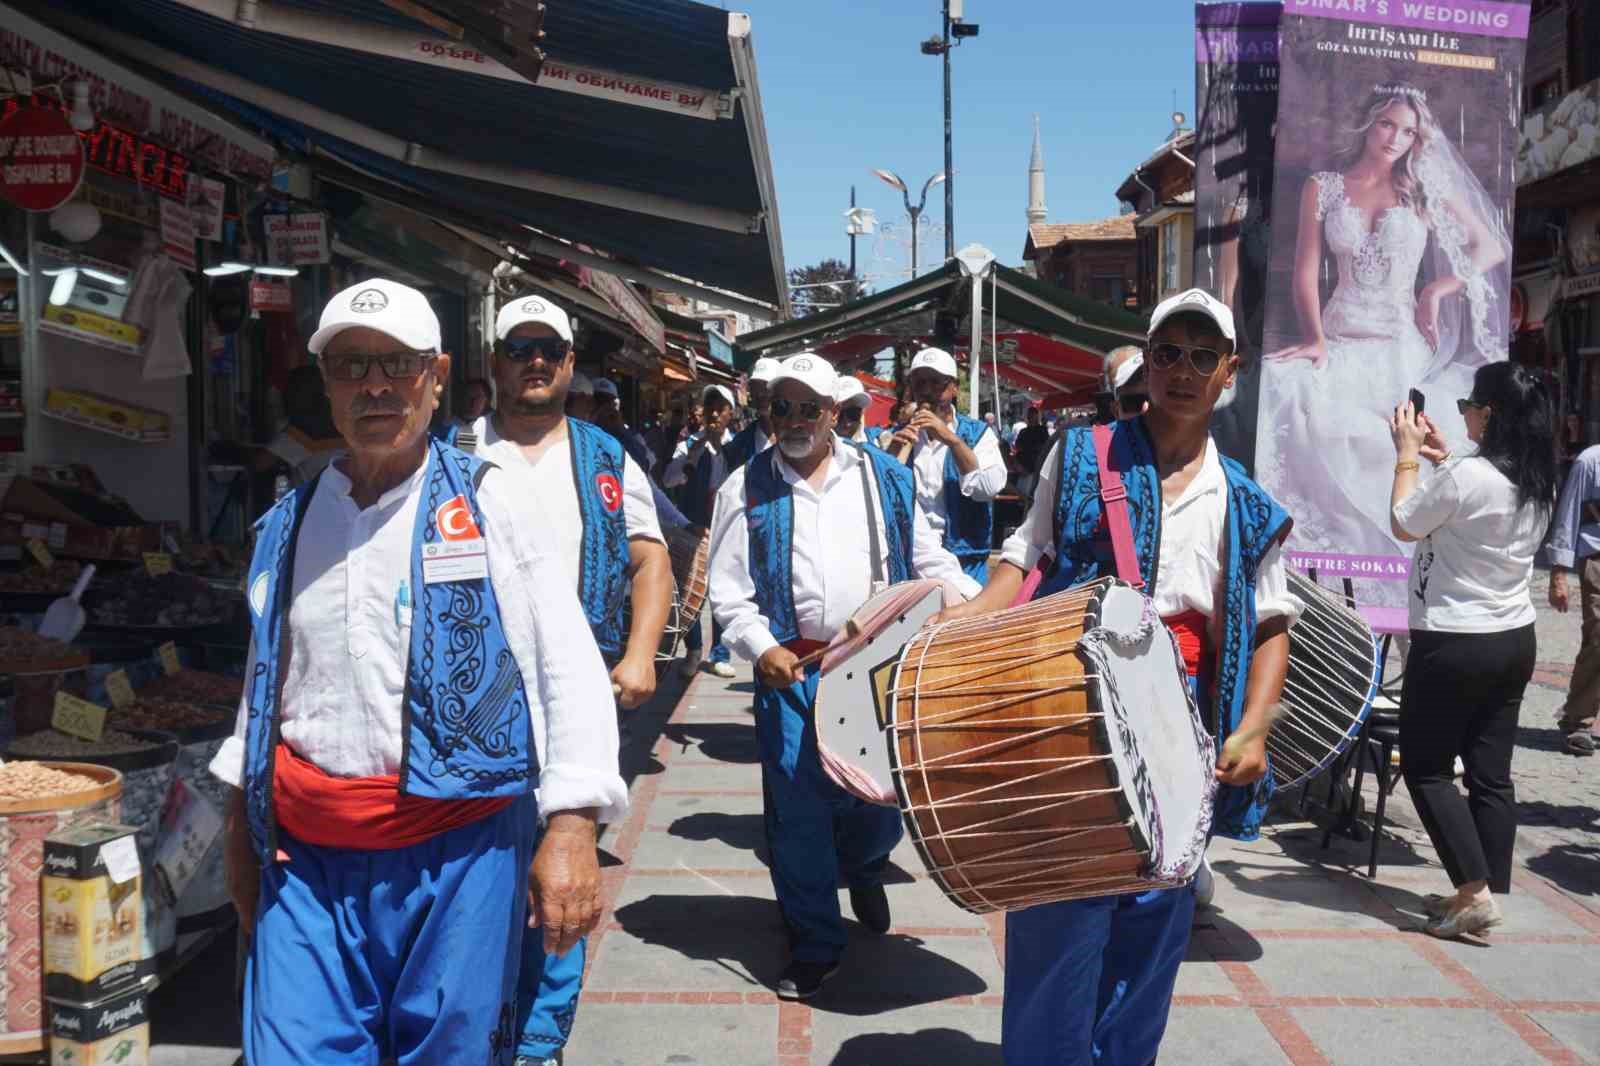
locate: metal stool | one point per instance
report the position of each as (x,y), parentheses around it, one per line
(1381,732)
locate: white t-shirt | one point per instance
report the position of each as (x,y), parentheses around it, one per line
(545,496)
(1471,570)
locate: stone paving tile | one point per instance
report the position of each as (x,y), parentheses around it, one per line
(670,806)
(1201,977)
(684,937)
(1218,1036)
(931,1035)
(1530,971)
(902,971)
(647,1034)
(1349,968)
(707,838)
(1390,1036)
(1579,1032)
(1295,898)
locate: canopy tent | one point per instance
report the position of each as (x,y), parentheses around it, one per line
(1050,342)
(634,127)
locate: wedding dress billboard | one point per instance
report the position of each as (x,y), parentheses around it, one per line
(1390,257)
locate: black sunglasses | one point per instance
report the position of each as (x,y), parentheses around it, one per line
(397,366)
(1205,361)
(808,410)
(1463,406)
(523,349)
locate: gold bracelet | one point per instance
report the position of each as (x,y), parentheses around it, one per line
(1409,464)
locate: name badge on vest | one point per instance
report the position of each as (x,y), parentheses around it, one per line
(460,554)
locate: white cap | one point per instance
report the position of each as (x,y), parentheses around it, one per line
(718,390)
(810,370)
(605,387)
(1130,366)
(581,385)
(849,392)
(389,307)
(765,369)
(1200,302)
(525,309)
(936,359)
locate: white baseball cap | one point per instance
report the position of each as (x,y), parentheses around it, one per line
(1130,366)
(1197,301)
(605,387)
(849,392)
(810,370)
(718,390)
(765,369)
(396,310)
(936,359)
(525,309)
(581,385)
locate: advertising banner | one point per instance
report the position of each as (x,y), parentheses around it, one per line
(1236,94)
(1390,255)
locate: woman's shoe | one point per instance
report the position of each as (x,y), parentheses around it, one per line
(1475,920)
(1436,906)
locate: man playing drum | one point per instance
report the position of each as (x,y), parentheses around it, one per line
(803,535)
(1208,543)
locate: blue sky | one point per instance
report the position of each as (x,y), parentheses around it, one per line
(845,88)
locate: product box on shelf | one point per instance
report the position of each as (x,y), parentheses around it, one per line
(92,912)
(113,1032)
(107,415)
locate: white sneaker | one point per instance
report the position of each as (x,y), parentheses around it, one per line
(1205,885)
(691,663)
(724,670)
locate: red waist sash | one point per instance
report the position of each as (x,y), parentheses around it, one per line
(366,813)
(1193,631)
(803,647)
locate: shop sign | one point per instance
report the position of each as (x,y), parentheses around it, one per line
(139,160)
(1582,285)
(206,198)
(41,158)
(270,296)
(133,206)
(634,311)
(297,240)
(177,233)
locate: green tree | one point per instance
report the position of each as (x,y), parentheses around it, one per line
(822,287)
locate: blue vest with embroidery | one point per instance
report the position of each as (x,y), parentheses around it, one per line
(968,523)
(464,713)
(742,448)
(769,516)
(597,467)
(1083,553)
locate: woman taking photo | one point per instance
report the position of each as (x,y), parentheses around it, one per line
(1479,519)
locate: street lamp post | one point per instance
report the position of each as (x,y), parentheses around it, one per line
(892,178)
(956,27)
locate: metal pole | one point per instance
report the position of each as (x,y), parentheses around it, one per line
(915,211)
(949,162)
(975,349)
(852,235)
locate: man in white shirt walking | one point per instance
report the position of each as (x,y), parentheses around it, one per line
(1574,544)
(791,559)
(698,468)
(418,670)
(957,461)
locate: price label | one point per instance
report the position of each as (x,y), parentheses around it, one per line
(157,563)
(40,553)
(120,690)
(169,658)
(81,718)
(121,857)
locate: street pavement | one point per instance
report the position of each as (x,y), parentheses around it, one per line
(1302,959)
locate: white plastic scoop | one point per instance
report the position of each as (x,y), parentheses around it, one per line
(64,619)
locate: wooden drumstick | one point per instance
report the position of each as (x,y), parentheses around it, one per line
(1234,745)
(852,630)
(902,452)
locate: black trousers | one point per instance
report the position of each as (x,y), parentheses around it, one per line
(1461,697)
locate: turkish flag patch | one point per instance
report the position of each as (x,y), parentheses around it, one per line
(454,521)
(610,492)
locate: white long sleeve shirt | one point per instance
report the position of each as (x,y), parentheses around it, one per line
(983,484)
(1189,575)
(348,640)
(832,556)
(677,471)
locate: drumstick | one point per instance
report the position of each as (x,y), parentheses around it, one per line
(852,630)
(902,452)
(1234,745)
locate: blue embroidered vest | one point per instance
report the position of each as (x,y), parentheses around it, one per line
(742,448)
(597,467)
(1254,524)
(769,516)
(464,713)
(968,523)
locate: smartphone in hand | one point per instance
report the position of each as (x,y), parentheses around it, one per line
(1418,401)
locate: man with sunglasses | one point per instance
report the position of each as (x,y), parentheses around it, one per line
(593,504)
(957,461)
(1125,374)
(804,533)
(1091,980)
(850,402)
(424,695)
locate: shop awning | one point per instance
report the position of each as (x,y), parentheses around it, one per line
(642,136)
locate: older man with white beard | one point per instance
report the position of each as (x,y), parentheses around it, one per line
(792,557)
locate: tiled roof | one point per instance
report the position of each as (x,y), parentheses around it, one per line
(1050,234)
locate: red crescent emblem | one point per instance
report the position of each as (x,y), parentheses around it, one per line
(454,520)
(610,492)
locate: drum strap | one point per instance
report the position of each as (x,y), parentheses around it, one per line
(1114,497)
(878,580)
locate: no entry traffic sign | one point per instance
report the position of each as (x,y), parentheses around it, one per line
(41,159)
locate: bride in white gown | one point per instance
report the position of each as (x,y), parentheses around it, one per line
(1401,209)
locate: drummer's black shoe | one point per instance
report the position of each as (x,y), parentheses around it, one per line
(871,907)
(802,979)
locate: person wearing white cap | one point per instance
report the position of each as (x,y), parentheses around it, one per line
(698,468)
(1208,543)
(803,534)
(580,397)
(592,505)
(957,461)
(1125,374)
(851,401)
(753,439)
(424,696)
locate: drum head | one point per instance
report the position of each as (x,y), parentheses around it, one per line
(853,694)
(1159,747)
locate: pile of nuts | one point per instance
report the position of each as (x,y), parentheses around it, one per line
(171,600)
(49,744)
(170,715)
(32,780)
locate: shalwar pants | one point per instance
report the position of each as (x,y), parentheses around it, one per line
(408,954)
(817,833)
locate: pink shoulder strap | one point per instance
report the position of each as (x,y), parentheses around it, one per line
(1115,499)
